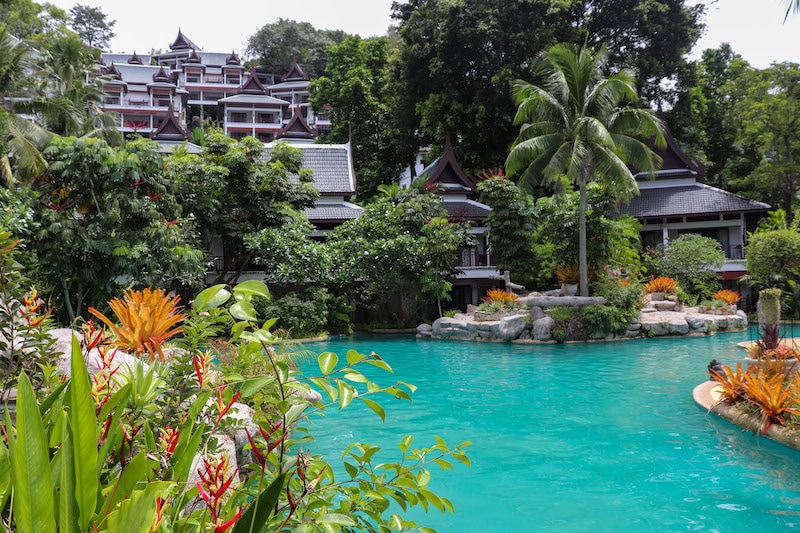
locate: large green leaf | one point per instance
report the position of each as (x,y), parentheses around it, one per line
(211,297)
(135,473)
(65,489)
(243,311)
(255,517)
(83,424)
(137,514)
(5,475)
(252,287)
(33,507)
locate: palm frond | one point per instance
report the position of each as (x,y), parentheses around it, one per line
(614,173)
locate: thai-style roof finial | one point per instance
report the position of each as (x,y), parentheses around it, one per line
(233,59)
(161,76)
(134,59)
(193,57)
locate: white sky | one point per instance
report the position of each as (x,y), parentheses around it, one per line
(754,28)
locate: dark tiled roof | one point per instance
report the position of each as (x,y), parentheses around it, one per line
(331,166)
(333,212)
(468,209)
(697,199)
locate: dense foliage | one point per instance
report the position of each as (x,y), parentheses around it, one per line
(138,447)
(276,44)
(356,93)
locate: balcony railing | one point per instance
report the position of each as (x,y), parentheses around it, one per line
(474,258)
(735,251)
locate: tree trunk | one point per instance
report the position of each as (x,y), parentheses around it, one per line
(582,263)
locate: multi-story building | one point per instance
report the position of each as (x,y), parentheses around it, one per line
(208,85)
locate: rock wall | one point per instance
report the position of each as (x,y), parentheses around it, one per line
(533,324)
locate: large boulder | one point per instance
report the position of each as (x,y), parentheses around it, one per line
(542,329)
(424,330)
(511,327)
(63,349)
(453,328)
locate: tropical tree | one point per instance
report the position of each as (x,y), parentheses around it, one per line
(91,24)
(20,139)
(579,125)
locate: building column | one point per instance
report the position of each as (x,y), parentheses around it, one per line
(664,233)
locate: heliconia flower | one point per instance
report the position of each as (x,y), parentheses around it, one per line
(227,524)
(169,440)
(221,407)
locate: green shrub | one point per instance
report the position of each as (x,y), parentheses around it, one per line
(307,314)
(559,335)
(450,313)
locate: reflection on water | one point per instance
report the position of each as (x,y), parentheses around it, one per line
(583,437)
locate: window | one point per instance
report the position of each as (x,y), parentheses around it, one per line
(238,117)
(234,79)
(266,118)
(238,135)
(192,78)
(264,137)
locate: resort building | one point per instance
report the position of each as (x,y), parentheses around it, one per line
(458,191)
(208,85)
(678,201)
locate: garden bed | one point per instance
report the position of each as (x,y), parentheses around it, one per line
(705,396)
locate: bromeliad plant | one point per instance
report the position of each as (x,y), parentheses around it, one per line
(663,284)
(728,296)
(147,319)
(143,454)
(771,387)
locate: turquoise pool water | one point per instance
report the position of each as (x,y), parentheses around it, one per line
(578,437)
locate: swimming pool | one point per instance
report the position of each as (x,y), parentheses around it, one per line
(576,437)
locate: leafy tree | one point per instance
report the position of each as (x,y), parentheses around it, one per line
(574,126)
(458,60)
(512,222)
(233,193)
(108,219)
(769,111)
(774,254)
(705,118)
(694,261)
(31,21)
(355,92)
(92,25)
(274,45)
(400,246)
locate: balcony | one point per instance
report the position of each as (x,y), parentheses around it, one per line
(472,258)
(734,252)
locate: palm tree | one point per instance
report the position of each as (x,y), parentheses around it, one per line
(19,138)
(579,125)
(791,5)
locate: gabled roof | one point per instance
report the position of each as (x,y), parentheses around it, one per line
(297,128)
(233,59)
(332,212)
(252,85)
(253,99)
(112,71)
(446,170)
(332,165)
(688,200)
(182,42)
(161,75)
(675,163)
(466,209)
(295,72)
(170,128)
(193,57)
